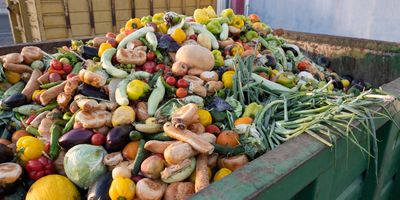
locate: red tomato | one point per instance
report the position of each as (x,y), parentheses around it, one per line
(171,81)
(182,83)
(98,139)
(167,69)
(67,68)
(254,18)
(150,56)
(213,129)
(193,37)
(113,42)
(181,92)
(160,67)
(149,66)
(56,64)
(111,35)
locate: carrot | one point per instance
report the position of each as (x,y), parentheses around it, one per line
(19,68)
(32,84)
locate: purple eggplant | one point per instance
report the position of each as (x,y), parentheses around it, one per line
(118,137)
(75,137)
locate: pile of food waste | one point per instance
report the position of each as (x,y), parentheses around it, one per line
(166,107)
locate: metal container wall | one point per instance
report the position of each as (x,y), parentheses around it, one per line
(303,168)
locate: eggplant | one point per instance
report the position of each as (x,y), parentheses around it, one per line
(9,176)
(90,91)
(15,100)
(271,61)
(118,137)
(6,154)
(74,137)
(89,52)
(99,189)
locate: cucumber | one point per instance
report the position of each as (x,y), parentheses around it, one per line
(225,31)
(152,39)
(14,89)
(139,158)
(107,65)
(135,35)
(159,136)
(226,150)
(155,97)
(135,135)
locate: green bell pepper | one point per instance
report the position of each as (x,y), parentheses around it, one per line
(218,58)
(214,27)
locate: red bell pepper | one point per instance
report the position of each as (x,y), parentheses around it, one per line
(39,167)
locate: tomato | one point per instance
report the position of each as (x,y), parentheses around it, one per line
(160,67)
(98,139)
(182,83)
(149,66)
(113,42)
(193,37)
(213,129)
(303,65)
(150,56)
(67,68)
(171,81)
(110,35)
(56,64)
(167,70)
(254,18)
(181,92)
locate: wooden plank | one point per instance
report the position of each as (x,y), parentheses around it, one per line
(91,17)
(67,18)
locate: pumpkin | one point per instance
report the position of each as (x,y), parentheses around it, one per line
(53,187)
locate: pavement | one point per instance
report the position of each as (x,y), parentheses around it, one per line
(6,37)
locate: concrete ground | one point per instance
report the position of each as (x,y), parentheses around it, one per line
(6,37)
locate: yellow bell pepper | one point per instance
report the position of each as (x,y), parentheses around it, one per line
(12,77)
(137,89)
(37,92)
(103,47)
(163,27)
(122,188)
(123,115)
(29,148)
(205,117)
(134,23)
(237,49)
(237,22)
(228,13)
(158,18)
(227,79)
(201,16)
(210,12)
(221,174)
(179,35)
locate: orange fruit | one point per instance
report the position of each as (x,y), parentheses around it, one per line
(228,138)
(243,120)
(130,150)
(19,133)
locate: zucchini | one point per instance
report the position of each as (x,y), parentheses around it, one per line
(155,97)
(135,35)
(159,136)
(107,65)
(77,68)
(27,109)
(139,158)
(226,150)
(121,96)
(14,89)
(152,39)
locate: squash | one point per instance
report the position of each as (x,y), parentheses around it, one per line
(53,187)
(9,175)
(195,56)
(99,190)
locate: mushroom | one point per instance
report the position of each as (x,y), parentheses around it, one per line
(185,115)
(209,76)
(113,159)
(179,172)
(213,86)
(31,53)
(233,163)
(226,42)
(152,166)
(179,69)
(195,71)
(148,189)
(197,128)
(125,56)
(13,58)
(198,89)
(179,191)
(193,79)
(212,160)
(133,44)
(178,152)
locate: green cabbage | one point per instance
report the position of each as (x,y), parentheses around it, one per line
(83,164)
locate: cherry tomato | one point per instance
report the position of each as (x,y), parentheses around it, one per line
(167,70)
(98,139)
(150,56)
(171,81)
(67,68)
(193,37)
(160,67)
(110,35)
(182,83)
(56,64)
(149,66)
(181,92)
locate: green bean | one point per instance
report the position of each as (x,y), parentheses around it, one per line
(70,123)
(54,147)
(32,130)
(50,85)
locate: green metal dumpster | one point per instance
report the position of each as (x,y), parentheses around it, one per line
(303,168)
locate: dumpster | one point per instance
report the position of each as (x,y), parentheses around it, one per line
(303,168)
(299,168)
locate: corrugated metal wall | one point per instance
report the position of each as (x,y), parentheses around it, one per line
(371,19)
